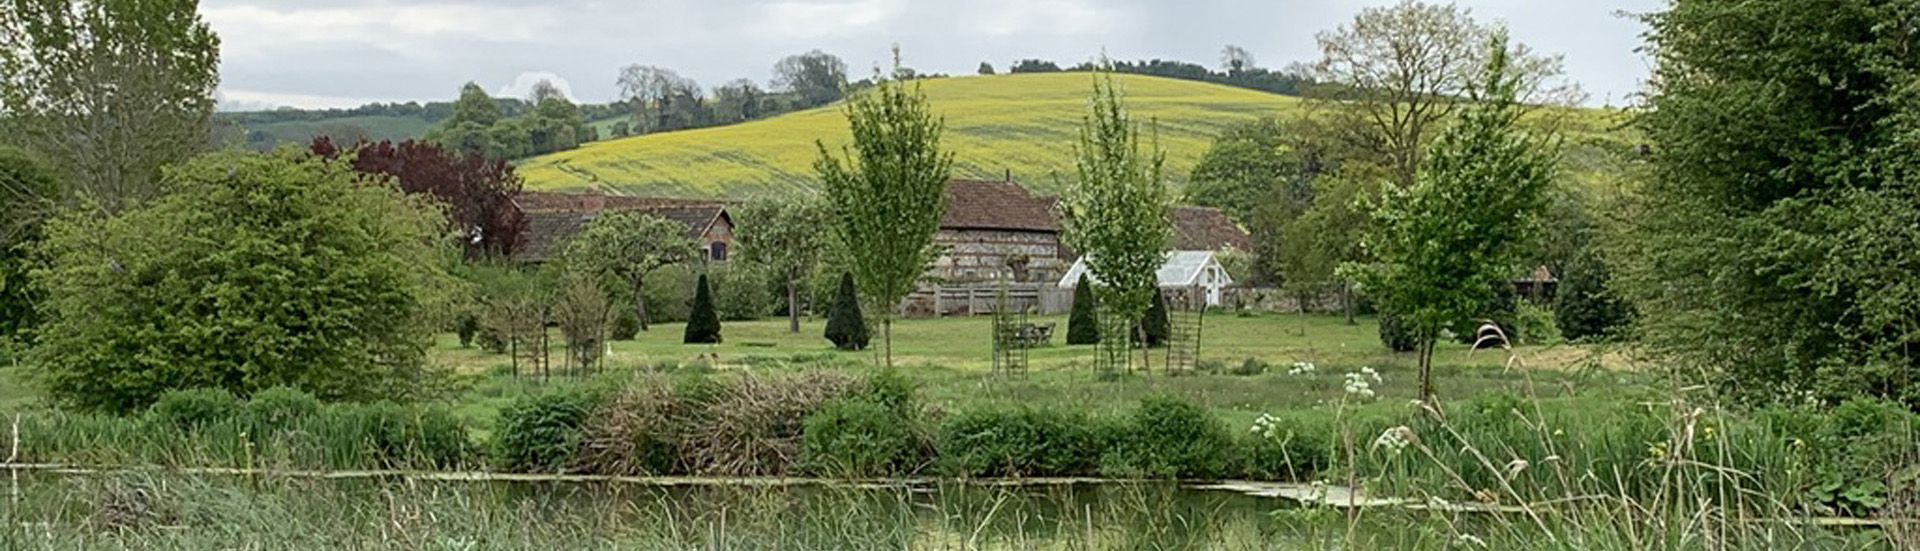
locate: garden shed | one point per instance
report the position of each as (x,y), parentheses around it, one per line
(1196,272)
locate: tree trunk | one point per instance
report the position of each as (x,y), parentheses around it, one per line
(886,324)
(793,306)
(639,303)
(1426,370)
(1346,300)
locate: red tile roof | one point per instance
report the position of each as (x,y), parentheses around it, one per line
(552,218)
(991,205)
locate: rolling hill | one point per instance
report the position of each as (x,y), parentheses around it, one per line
(1026,124)
(1023,124)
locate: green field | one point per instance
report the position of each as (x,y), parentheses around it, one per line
(1025,124)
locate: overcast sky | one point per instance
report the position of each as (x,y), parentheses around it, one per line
(347,52)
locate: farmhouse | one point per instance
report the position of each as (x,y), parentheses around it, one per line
(552,218)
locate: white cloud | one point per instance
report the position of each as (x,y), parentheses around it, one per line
(523,84)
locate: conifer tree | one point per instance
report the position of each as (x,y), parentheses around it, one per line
(703,325)
(845,327)
(1082,326)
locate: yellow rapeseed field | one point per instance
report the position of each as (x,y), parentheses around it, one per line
(1025,125)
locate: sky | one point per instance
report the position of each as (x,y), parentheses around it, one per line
(343,53)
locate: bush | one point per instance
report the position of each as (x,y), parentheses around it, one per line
(194,408)
(542,433)
(753,425)
(467,328)
(1395,335)
(669,293)
(1848,451)
(741,292)
(1155,324)
(703,325)
(626,324)
(282,406)
(1289,449)
(1502,311)
(845,328)
(639,430)
(1170,438)
(1083,324)
(1536,323)
(1249,367)
(1583,307)
(322,282)
(1022,441)
(404,436)
(858,438)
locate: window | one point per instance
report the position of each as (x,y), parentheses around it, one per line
(717,252)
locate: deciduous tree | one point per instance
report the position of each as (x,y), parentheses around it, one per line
(478,192)
(108,91)
(788,235)
(629,246)
(1444,242)
(1115,211)
(888,193)
(817,77)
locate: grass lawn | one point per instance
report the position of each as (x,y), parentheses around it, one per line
(951,358)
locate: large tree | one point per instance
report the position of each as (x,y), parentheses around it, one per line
(1115,212)
(108,91)
(1394,74)
(788,235)
(28,187)
(816,77)
(478,192)
(738,100)
(253,271)
(1245,163)
(1772,247)
(629,246)
(663,99)
(888,193)
(1460,229)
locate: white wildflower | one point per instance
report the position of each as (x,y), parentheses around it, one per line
(1361,383)
(1301,368)
(1267,426)
(1394,439)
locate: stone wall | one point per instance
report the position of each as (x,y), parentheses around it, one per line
(984,255)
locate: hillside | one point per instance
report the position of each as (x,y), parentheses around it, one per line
(1025,124)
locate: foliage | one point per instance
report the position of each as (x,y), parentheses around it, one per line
(1168,437)
(281,406)
(1294,448)
(846,329)
(626,325)
(888,193)
(477,192)
(1395,334)
(1534,324)
(109,91)
(1115,212)
(192,408)
(1584,308)
(1850,454)
(1238,172)
(1444,240)
(1020,441)
(703,325)
(787,235)
(1083,327)
(1395,74)
(1155,326)
(254,271)
(629,246)
(542,432)
(817,77)
(28,187)
(741,291)
(858,438)
(753,425)
(1765,246)
(584,314)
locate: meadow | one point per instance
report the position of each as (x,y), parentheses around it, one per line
(1023,125)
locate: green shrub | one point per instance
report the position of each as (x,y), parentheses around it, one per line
(1083,324)
(626,324)
(407,436)
(1583,307)
(282,406)
(1169,437)
(1155,325)
(1291,448)
(320,281)
(466,328)
(194,408)
(542,433)
(858,437)
(703,325)
(1536,323)
(1848,452)
(896,391)
(742,291)
(669,293)
(1249,367)
(845,327)
(1396,335)
(1020,441)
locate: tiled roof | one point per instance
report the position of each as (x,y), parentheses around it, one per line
(1206,229)
(552,218)
(990,205)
